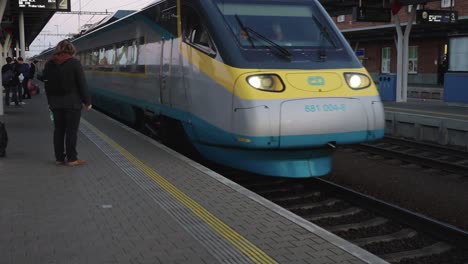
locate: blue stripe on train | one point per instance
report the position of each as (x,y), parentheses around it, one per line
(200,130)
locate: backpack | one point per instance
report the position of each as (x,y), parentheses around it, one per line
(7,76)
(3,139)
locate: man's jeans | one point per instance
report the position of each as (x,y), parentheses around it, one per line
(14,90)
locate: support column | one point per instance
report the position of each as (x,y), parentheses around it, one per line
(2,62)
(2,54)
(411,16)
(402,55)
(399,68)
(17,54)
(21,35)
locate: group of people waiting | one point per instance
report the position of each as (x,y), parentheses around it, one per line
(15,79)
(66,90)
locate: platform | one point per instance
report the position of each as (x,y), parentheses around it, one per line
(138,202)
(429,121)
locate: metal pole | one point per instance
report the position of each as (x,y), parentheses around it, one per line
(21,34)
(79,17)
(17,50)
(404,90)
(2,53)
(399,72)
(2,61)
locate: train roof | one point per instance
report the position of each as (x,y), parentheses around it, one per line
(109,19)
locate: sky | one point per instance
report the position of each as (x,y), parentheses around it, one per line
(68,23)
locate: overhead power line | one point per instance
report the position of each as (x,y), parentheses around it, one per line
(83,13)
(56,35)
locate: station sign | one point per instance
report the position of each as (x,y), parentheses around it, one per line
(414,2)
(53,5)
(370,14)
(436,16)
(360,52)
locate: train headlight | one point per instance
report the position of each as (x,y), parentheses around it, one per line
(266,82)
(357,80)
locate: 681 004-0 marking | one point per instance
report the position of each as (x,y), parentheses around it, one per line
(325,108)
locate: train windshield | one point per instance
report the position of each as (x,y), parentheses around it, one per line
(289,24)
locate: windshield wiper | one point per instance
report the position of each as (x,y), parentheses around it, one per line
(245,30)
(323,35)
(283,51)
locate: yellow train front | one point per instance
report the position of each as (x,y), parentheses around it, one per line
(277,86)
(267,86)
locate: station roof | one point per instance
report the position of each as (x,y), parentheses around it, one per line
(387,31)
(34,21)
(344,7)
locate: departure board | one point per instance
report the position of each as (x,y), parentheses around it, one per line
(437,16)
(58,5)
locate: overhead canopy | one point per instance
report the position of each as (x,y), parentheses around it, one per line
(345,7)
(387,31)
(34,21)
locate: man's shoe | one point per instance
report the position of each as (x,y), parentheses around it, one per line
(76,163)
(59,162)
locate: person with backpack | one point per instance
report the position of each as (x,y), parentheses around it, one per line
(10,82)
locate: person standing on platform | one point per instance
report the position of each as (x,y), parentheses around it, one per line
(25,71)
(67,92)
(10,82)
(32,69)
(19,64)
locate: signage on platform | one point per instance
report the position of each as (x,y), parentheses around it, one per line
(57,5)
(436,16)
(413,2)
(369,14)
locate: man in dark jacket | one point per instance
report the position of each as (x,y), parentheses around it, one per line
(11,85)
(24,83)
(19,71)
(67,91)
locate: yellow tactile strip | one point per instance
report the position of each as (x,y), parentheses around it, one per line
(225,243)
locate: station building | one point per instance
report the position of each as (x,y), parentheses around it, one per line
(434,48)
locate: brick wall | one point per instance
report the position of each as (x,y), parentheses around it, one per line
(429,54)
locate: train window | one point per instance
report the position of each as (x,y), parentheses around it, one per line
(195,32)
(95,57)
(132,53)
(289,25)
(88,57)
(106,56)
(121,53)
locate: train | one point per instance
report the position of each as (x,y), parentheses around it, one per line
(265,86)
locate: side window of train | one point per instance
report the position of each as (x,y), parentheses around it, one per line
(195,32)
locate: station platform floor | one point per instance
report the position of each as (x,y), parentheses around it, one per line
(136,201)
(435,108)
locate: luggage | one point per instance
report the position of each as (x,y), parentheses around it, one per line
(3,139)
(33,88)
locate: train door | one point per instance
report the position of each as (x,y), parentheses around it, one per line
(196,40)
(169,23)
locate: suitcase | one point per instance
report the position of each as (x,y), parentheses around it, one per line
(3,139)
(33,88)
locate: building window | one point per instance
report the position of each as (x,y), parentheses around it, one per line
(386,56)
(413,59)
(447,3)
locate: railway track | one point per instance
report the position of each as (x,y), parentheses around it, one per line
(426,155)
(395,234)
(392,233)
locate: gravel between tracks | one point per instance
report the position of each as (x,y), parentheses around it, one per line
(429,192)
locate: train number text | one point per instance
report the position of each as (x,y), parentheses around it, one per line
(325,108)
